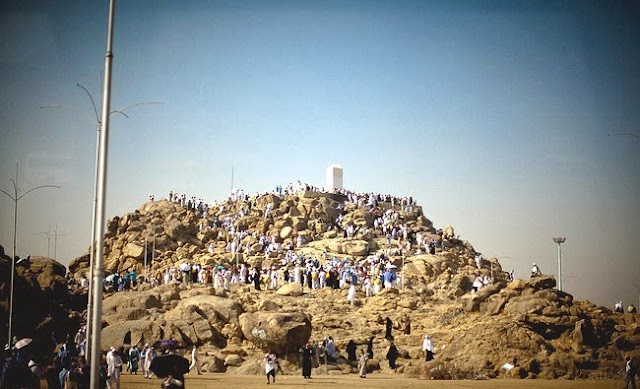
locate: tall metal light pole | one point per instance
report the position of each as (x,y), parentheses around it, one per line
(49,236)
(101,185)
(55,242)
(95,118)
(16,198)
(559,240)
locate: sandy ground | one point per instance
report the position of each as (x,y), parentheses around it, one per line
(374,381)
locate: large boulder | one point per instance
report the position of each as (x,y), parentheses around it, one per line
(130,332)
(527,304)
(133,250)
(543,282)
(284,333)
(291,289)
(214,308)
(356,247)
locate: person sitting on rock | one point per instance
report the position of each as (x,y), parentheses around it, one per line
(618,307)
(631,308)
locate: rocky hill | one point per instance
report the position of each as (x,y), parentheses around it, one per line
(531,325)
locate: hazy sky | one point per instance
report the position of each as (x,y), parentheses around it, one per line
(494,115)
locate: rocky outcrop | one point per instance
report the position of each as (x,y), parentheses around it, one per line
(41,300)
(281,332)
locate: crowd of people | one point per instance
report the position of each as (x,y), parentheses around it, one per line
(316,354)
(370,274)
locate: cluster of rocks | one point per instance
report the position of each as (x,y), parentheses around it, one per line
(42,304)
(530,325)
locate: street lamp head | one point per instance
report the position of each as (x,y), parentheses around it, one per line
(559,239)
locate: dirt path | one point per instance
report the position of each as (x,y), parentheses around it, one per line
(374,381)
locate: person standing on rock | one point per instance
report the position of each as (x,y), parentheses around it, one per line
(535,270)
(389,328)
(351,352)
(307,357)
(351,295)
(363,364)
(427,347)
(255,277)
(195,362)
(407,325)
(271,365)
(370,348)
(392,355)
(630,373)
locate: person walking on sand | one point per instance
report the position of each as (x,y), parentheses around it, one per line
(307,356)
(134,358)
(151,353)
(630,373)
(271,365)
(114,367)
(363,364)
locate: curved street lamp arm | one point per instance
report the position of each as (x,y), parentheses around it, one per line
(121,110)
(93,103)
(37,187)
(11,197)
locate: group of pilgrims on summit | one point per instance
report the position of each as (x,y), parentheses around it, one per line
(371,272)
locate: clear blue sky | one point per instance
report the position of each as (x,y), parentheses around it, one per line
(494,115)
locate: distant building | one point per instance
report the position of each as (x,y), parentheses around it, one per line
(333,177)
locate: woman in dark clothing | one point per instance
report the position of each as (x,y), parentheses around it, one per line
(351,351)
(392,355)
(307,356)
(256,279)
(370,348)
(389,327)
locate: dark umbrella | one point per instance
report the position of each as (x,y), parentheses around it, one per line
(172,364)
(169,344)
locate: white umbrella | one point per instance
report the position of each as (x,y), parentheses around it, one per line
(22,343)
(390,266)
(185,267)
(109,278)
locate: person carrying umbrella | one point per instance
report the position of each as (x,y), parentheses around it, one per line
(172,368)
